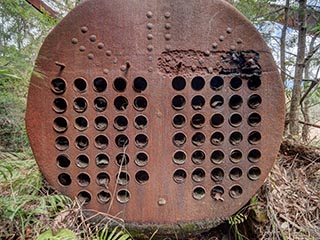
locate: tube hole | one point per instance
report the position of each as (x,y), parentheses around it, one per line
(82,142)
(179,121)
(235,138)
(178,83)
(178,102)
(216,83)
(254,119)
(101,142)
(235,156)
(235,120)
(60,105)
(179,139)
(82,161)
(83,179)
(217,120)
(216,101)
(100,104)
(58,85)
(198,175)
(80,85)
(217,192)
(122,159)
(80,105)
(123,196)
(84,197)
(121,103)
(198,193)
(198,139)
(63,161)
(254,173)
(104,197)
(60,124)
(197,121)
(103,179)
(236,191)
(141,159)
(235,83)
(235,174)
(254,155)
(197,83)
(120,123)
(254,137)
(141,141)
(140,103)
(235,102)
(122,141)
(62,143)
(140,122)
(197,102)
(179,176)
(81,123)
(217,156)
(142,177)
(123,178)
(140,84)
(64,179)
(102,160)
(179,157)
(101,123)
(217,175)
(217,138)
(120,84)
(254,83)
(99,84)
(254,101)
(198,157)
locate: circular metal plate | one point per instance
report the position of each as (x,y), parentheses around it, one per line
(157,112)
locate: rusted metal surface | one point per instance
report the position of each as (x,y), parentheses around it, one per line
(157,112)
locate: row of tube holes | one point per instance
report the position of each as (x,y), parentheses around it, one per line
(216,121)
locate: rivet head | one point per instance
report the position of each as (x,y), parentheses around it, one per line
(84,29)
(167,14)
(167,36)
(193,68)
(239,40)
(150,58)
(161,201)
(82,48)
(150,69)
(150,48)
(108,53)
(167,26)
(210,70)
(93,38)
(149,36)
(229,30)
(123,68)
(149,14)
(233,47)
(221,38)
(214,45)
(115,61)
(207,53)
(90,56)
(105,71)
(74,40)
(149,26)
(100,45)
(201,61)
(168,47)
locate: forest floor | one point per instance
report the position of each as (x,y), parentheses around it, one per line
(286,207)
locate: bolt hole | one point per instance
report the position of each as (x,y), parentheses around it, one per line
(179,121)
(179,139)
(198,175)
(199,193)
(62,143)
(99,84)
(60,124)
(235,138)
(104,197)
(178,83)
(84,197)
(197,121)
(100,104)
(198,139)
(122,141)
(217,120)
(254,119)
(101,142)
(216,83)
(123,196)
(197,102)
(142,177)
(235,191)
(217,138)
(81,123)
(141,159)
(254,137)
(197,83)
(83,179)
(217,192)
(254,83)
(217,175)
(140,122)
(101,123)
(60,105)
(120,123)
(254,173)
(179,176)
(120,84)
(235,120)
(82,142)
(179,157)
(198,157)
(121,103)
(63,161)
(102,160)
(217,156)
(235,83)
(235,156)
(140,103)
(80,105)
(80,84)
(64,179)
(82,161)
(122,159)
(58,85)
(141,140)
(235,102)
(178,102)
(123,178)
(254,101)
(216,101)
(235,174)
(103,179)
(254,155)
(140,84)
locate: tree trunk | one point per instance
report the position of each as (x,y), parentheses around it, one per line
(283,42)
(298,74)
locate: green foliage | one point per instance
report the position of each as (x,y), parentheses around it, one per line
(108,233)
(61,234)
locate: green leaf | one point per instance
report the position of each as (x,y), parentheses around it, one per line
(62,234)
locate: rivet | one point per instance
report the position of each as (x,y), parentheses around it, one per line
(217,63)
(150,48)
(115,61)
(167,36)
(108,53)
(93,38)
(149,14)
(207,53)
(150,58)
(193,68)
(74,40)
(84,29)
(161,201)
(168,26)
(149,36)
(201,61)
(214,45)
(150,69)
(229,30)
(90,55)
(100,45)
(167,14)
(210,70)
(221,38)
(149,26)
(82,48)
(168,47)
(105,71)
(123,68)
(239,40)
(233,47)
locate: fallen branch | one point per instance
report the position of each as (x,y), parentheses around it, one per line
(310,124)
